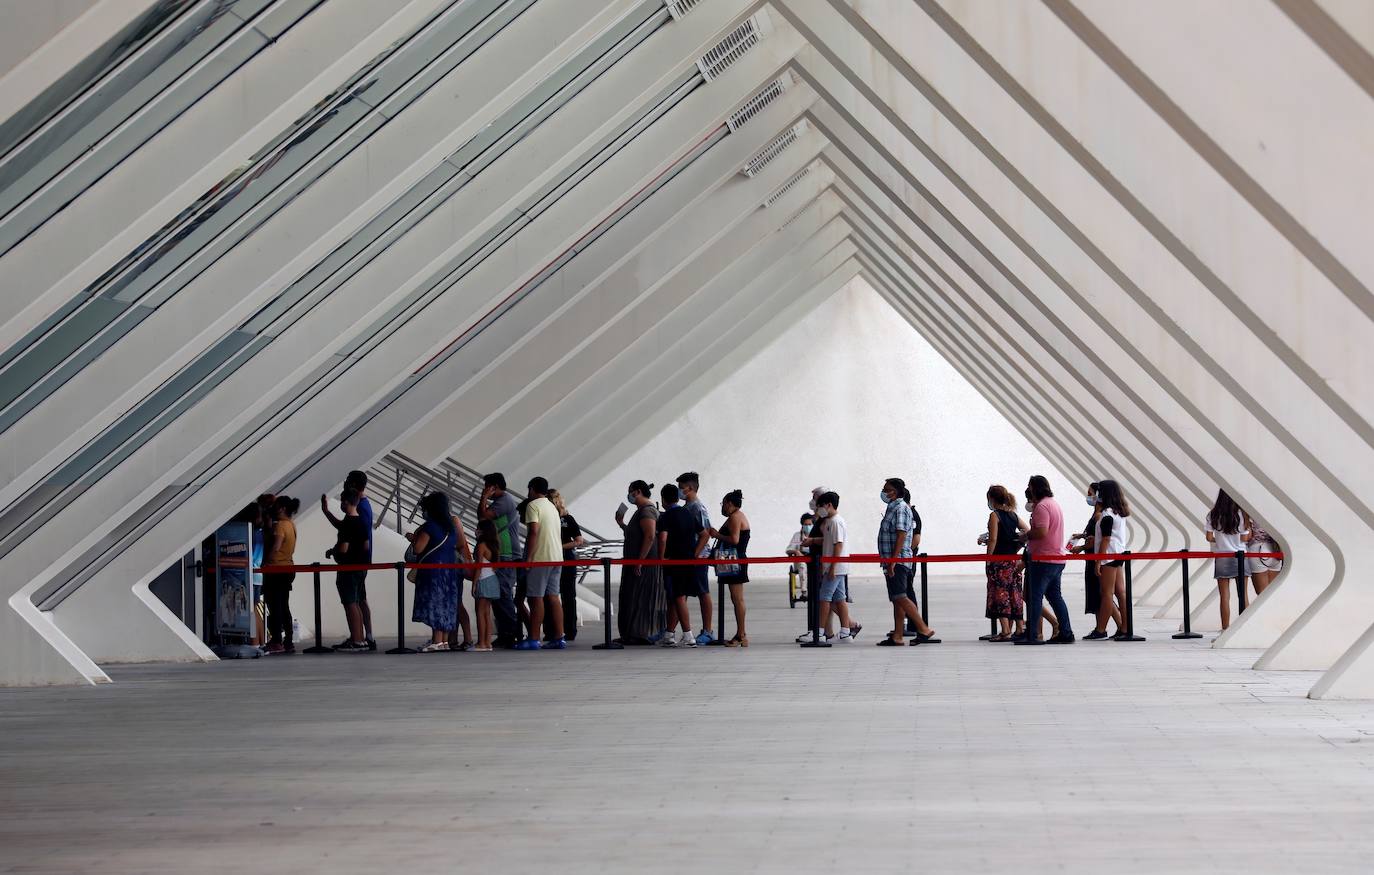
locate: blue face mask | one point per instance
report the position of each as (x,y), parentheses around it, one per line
(882,496)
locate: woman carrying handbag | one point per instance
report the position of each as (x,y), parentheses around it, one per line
(436,589)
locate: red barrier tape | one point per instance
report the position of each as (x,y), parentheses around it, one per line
(863,559)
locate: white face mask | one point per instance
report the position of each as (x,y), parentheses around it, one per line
(811,505)
(823,512)
(992,506)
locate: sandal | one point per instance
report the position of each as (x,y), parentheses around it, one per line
(999,639)
(889,641)
(737,641)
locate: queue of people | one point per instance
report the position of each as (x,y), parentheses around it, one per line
(535,608)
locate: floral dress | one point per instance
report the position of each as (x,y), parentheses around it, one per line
(436,590)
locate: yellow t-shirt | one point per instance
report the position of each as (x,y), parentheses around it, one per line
(549,545)
(283,554)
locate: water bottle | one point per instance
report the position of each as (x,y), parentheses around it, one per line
(295,630)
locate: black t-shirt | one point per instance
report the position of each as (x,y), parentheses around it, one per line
(569,529)
(353,532)
(683,529)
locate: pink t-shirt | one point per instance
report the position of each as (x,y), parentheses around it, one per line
(1051,547)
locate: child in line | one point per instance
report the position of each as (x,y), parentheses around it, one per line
(486,588)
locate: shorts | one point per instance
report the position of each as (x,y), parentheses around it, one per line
(682,581)
(1115,563)
(834,589)
(1259,566)
(702,575)
(351,586)
(542,582)
(897,582)
(489,587)
(1226,567)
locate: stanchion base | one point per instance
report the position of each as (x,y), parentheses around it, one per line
(713,643)
(318,649)
(927,641)
(403,650)
(986,637)
(814,644)
(1130,638)
(611,646)
(1183,635)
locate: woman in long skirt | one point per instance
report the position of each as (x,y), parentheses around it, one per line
(643,606)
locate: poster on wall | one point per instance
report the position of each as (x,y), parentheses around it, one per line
(234,582)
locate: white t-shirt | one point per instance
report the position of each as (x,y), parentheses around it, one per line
(1121,532)
(836,532)
(1227,542)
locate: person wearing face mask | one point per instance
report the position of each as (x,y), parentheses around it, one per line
(1091,595)
(1045,540)
(1005,537)
(642,604)
(1045,613)
(814,543)
(832,586)
(794,547)
(895,534)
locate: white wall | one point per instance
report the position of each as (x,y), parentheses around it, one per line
(887,405)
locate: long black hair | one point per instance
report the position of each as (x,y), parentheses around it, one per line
(1110,495)
(286,504)
(435,507)
(486,534)
(1226,515)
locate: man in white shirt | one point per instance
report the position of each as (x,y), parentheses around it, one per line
(834,575)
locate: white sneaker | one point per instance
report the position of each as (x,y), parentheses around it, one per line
(845,636)
(688,639)
(667,640)
(806,636)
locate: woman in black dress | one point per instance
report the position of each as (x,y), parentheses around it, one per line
(734,532)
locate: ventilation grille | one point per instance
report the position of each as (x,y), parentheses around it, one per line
(794,217)
(787,186)
(735,46)
(775,148)
(679,8)
(756,104)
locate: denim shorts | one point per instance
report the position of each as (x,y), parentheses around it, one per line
(897,581)
(541,582)
(489,587)
(833,589)
(1225,567)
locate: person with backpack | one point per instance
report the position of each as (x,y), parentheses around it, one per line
(1006,536)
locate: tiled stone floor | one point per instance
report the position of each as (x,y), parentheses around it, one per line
(1156,757)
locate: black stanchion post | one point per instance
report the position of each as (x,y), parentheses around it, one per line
(813,606)
(925,595)
(1187,608)
(1129,607)
(319,634)
(925,599)
(1240,581)
(401,611)
(719,640)
(608,644)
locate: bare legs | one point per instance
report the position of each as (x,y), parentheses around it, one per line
(707,609)
(737,599)
(484,623)
(1224,589)
(1112,589)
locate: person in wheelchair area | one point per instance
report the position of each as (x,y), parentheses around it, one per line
(794,548)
